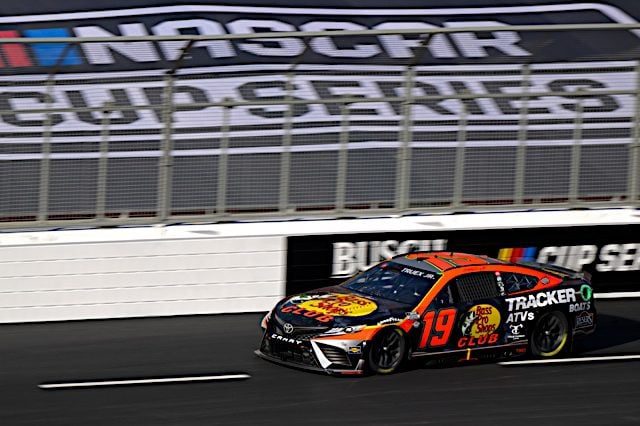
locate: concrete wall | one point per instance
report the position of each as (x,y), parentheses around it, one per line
(196,269)
(149,277)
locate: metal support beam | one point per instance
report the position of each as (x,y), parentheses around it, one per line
(521,151)
(634,148)
(458,177)
(576,152)
(343,158)
(285,156)
(101,187)
(403,162)
(223,163)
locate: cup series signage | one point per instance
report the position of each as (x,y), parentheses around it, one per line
(610,253)
(373,67)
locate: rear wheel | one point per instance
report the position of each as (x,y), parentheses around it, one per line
(387,351)
(550,335)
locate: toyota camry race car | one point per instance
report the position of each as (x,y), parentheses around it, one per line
(430,305)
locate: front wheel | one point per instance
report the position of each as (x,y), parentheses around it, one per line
(387,351)
(550,335)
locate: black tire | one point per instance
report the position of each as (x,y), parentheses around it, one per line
(550,336)
(387,351)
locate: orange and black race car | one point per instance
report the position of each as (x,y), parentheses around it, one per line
(431,304)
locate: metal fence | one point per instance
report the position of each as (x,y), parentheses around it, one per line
(304,138)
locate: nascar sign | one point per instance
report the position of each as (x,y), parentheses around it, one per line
(89,75)
(231,92)
(218,20)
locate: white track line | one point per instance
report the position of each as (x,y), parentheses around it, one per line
(142,381)
(570,360)
(617,295)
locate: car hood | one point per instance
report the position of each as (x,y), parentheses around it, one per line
(338,306)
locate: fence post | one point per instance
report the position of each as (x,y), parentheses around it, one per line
(458,178)
(403,163)
(101,188)
(45,161)
(285,157)
(165,163)
(343,157)
(223,159)
(634,148)
(521,151)
(576,149)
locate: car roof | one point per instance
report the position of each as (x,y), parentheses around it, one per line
(440,261)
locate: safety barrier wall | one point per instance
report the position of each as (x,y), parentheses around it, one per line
(57,278)
(247,267)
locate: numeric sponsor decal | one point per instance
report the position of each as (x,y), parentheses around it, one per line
(437,327)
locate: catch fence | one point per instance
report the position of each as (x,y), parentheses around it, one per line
(399,127)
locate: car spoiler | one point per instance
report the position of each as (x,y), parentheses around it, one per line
(559,270)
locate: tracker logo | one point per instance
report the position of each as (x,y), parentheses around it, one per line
(542,299)
(221,20)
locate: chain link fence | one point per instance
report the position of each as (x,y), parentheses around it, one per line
(305,138)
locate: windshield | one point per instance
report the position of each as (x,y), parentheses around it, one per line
(393,281)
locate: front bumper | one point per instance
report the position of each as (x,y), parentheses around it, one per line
(334,356)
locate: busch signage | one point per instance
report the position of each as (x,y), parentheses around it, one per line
(608,252)
(350,258)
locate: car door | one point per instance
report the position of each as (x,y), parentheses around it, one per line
(467,313)
(481,310)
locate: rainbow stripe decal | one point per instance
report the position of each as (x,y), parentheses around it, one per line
(518,254)
(16,55)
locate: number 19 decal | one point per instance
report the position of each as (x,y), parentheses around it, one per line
(437,327)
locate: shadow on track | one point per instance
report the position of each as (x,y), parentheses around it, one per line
(611,331)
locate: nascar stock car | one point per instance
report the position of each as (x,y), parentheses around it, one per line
(431,305)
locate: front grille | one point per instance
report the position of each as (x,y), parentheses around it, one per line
(299,332)
(335,355)
(290,352)
(298,350)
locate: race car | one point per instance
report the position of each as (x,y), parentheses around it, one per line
(431,305)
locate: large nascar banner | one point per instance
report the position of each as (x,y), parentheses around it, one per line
(90,74)
(118,89)
(611,253)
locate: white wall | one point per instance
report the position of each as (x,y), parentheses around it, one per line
(196,269)
(147,277)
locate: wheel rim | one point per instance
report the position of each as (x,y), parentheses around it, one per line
(551,333)
(388,351)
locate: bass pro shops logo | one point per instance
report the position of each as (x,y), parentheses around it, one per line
(480,326)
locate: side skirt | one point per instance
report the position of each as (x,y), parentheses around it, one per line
(517,345)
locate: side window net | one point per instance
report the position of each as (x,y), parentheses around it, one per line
(477,286)
(518,282)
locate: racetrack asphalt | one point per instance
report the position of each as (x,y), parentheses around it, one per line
(30,354)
